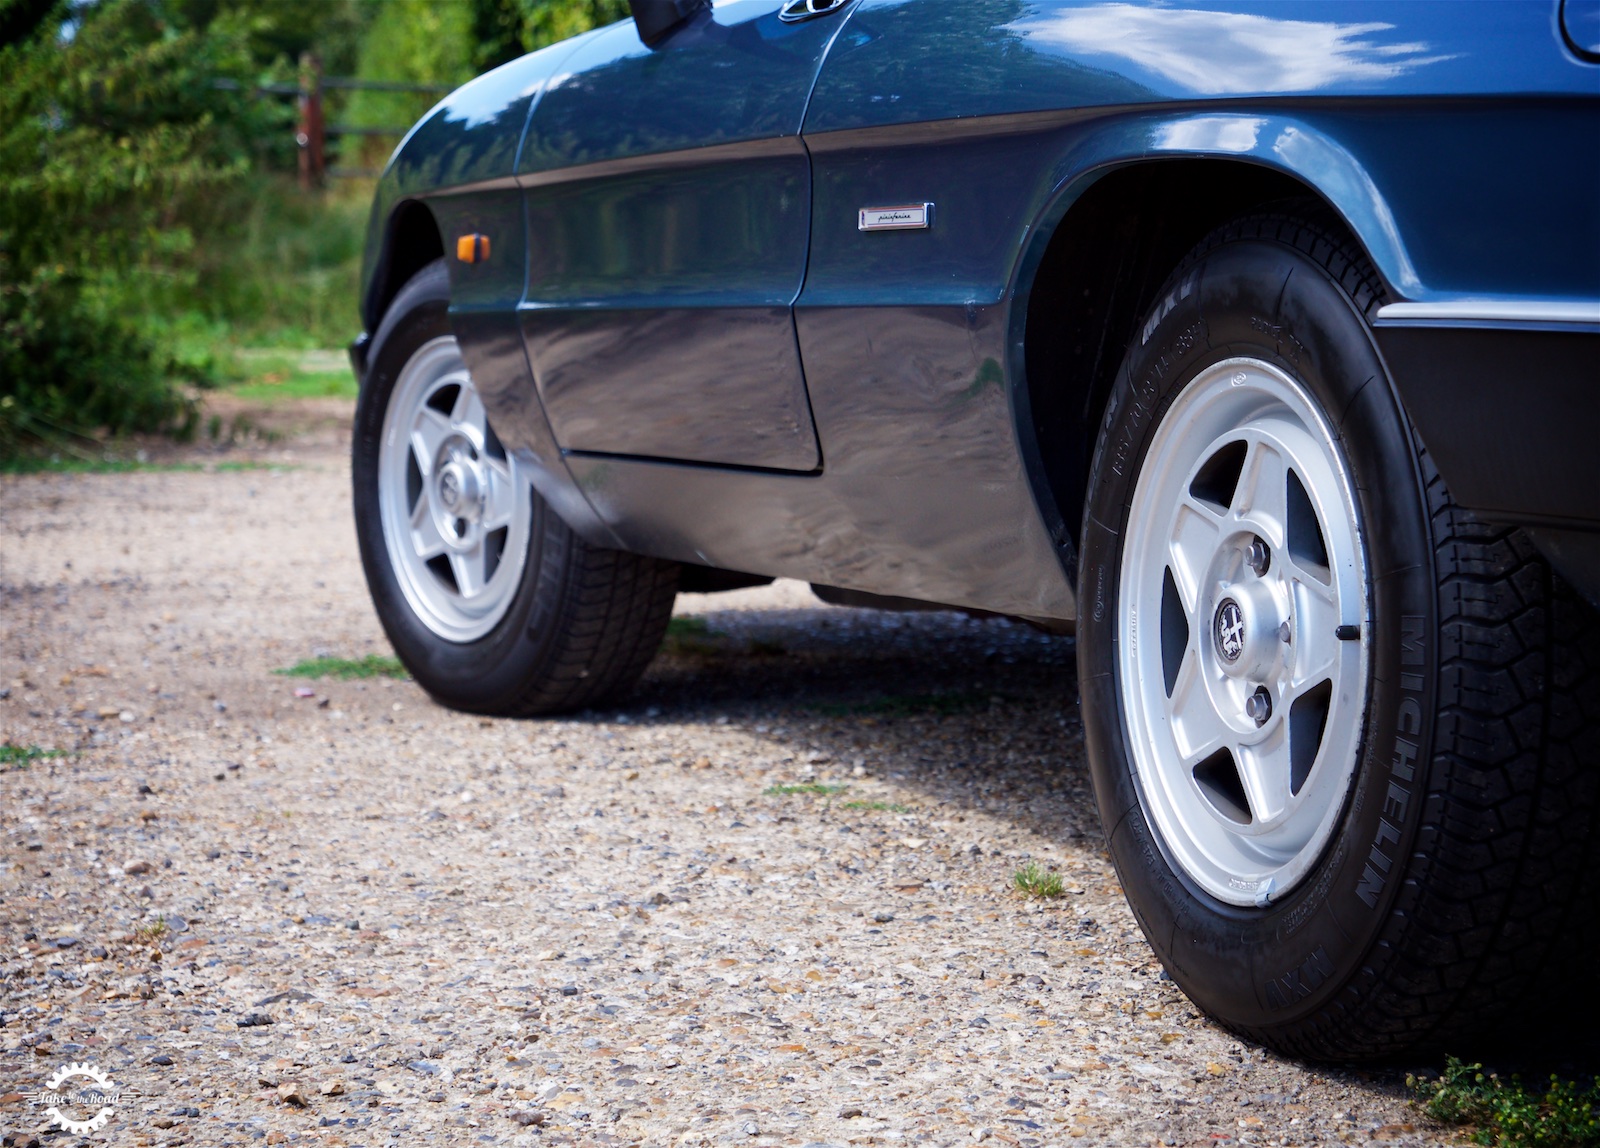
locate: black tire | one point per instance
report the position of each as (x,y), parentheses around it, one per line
(1448,885)
(584,621)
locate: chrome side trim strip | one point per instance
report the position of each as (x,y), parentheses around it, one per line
(1493,310)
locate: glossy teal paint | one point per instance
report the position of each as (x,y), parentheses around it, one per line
(667,241)
(734,75)
(922,61)
(680,201)
(471,137)
(1002,113)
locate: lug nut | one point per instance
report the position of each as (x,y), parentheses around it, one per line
(1258,557)
(1258,707)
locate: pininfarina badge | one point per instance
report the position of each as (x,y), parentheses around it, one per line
(901,217)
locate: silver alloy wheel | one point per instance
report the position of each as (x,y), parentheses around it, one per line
(1242,641)
(455,512)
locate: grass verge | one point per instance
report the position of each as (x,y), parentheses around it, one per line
(55,464)
(1501,1113)
(346,669)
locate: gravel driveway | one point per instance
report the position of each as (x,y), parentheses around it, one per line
(765,902)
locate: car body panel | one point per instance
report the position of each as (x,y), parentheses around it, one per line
(1460,143)
(667,241)
(666,292)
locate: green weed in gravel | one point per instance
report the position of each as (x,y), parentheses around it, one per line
(18,756)
(1034,880)
(371,666)
(877,806)
(808,788)
(689,636)
(1505,1113)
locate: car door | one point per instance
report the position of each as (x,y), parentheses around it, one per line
(668,207)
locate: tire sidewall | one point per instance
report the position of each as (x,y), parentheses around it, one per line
(1263,969)
(477,675)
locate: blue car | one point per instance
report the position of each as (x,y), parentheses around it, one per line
(1256,343)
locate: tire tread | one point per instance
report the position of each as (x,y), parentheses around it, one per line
(1496,887)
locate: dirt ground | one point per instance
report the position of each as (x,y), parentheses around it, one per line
(358,918)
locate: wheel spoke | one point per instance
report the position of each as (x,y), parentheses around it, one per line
(469,571)
(1196,530)
(1316,618)
(499,496)
(428,433)
(1264,771)
(1262,495)
(425,537)
(1197,727)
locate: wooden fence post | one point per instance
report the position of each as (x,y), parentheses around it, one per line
(310,134)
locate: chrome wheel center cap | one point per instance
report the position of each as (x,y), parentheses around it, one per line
(1228,630)
(1246,631)
(460,489)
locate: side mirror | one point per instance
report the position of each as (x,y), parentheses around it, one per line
(657,18)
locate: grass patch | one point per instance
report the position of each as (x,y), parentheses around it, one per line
(807,788)
(1034,880)
(299,386)
(345,669)
(272,376)
(152,932)
(58,464)
(690,636)
(877,806)
(1506,1112)
(906,705)
(18,756)
(248,465)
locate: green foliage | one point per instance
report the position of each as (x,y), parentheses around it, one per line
(278,267)
(108,138)
(1506,1113)
(690,637)
(142,238)
(72,464)
(877,806)
(1034,880)
(416,42)
(805,789)
(344,669)
(505,29)
(18,756)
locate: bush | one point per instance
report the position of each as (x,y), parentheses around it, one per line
(109,135)
(1508,1114)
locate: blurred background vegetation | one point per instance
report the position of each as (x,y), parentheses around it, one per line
(153,240)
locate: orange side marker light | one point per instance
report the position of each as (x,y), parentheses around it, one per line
(473,248)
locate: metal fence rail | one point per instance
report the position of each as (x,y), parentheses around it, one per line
(312,132)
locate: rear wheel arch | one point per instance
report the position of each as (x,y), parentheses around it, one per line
(1107,245)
